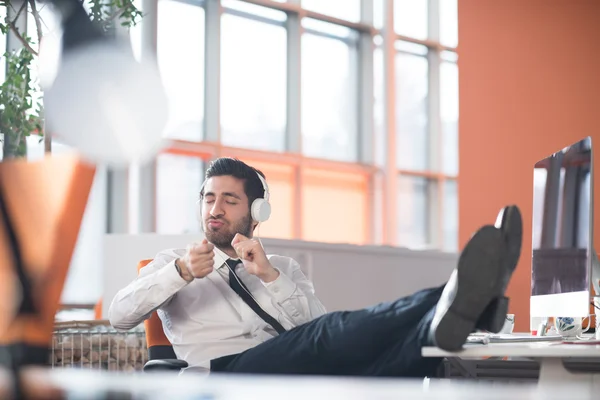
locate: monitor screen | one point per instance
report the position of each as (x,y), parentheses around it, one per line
(562,232)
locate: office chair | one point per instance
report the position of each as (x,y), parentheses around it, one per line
(161,356)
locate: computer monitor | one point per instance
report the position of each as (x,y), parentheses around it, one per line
(563,232)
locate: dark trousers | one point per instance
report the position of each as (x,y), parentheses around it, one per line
(383,340)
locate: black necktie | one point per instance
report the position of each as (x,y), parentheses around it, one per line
(238,286)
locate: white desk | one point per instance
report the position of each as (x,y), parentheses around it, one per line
(159,386)
(550,355)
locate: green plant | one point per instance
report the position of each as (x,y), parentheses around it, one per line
(21,99)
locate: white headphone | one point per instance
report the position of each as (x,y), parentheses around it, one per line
(260,210)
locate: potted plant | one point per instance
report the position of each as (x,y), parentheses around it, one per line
(21,99)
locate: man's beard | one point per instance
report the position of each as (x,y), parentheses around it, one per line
(224,236)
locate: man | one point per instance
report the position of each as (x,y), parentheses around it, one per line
(262,315)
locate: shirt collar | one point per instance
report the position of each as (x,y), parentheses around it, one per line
(221,258)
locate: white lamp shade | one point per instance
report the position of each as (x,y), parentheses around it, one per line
(107,105)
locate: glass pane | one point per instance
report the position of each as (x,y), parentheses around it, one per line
(180,51)
(329,28)
(87,5)
(178,182)
(412,139)
(539,189)
(49,22)
(449,111)
(379,108)
(342,9)
(378,41)
(450,213)
(583,216)
(408,47)
(413,212)
(410,18)
(135,33)
(35,148)
(451,56)
(50,25)
(449,23)
(280,179)
(378,13)
(329,120)
(327,197)
(2,46)
(243,6)
(253,84)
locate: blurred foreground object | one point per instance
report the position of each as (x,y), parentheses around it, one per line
(97,97)
(42,205)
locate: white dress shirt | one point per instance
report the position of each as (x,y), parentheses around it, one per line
(205,319)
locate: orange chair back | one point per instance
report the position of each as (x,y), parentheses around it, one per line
(159,346)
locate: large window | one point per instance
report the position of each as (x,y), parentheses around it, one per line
(329,120)
(180,50)
(348,10)
(413,211)
(135,33)
(178,181)
(412,108)
(333,205)
(253,80)
(349,107)
(411,18)
(449,112)
(282,187)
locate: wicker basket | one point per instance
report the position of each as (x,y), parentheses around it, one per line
(96,345)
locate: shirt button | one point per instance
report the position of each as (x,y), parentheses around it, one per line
(276,289)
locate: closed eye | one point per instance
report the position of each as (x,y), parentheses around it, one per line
(211,201)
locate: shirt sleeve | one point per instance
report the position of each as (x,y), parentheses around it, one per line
(155,286)
(293,293)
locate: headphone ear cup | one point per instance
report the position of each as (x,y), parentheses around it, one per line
(260,210)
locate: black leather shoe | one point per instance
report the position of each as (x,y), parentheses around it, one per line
(474,294)
(510,223)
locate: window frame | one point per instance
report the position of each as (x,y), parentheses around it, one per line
(382,227)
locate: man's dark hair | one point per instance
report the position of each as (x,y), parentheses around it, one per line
(224,166)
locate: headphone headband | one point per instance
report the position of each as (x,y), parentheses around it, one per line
(264,185)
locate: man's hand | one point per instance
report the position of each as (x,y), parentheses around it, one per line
(252,254)
(198,261)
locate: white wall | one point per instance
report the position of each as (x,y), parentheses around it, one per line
(346,277)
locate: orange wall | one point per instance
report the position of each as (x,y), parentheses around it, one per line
(529,85)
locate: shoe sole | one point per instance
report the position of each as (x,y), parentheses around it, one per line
(510,223)
(482,268)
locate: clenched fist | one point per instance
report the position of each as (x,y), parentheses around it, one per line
(197,262)
(253,256)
